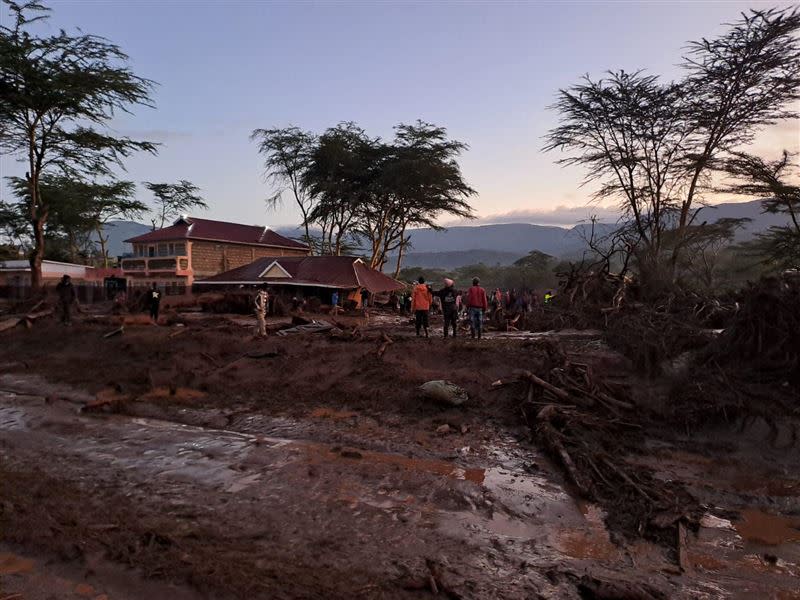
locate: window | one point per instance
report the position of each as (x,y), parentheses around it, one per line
(180,249)
(151,251)
(172,249)
(163,250)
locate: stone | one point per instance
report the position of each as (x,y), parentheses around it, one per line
(443,392)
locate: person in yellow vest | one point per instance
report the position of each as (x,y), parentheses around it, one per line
(548,297)
(261,304)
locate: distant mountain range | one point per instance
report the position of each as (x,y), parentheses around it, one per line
(498,244)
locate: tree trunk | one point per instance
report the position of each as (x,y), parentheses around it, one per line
(37,254)
(400,251)
(103,242)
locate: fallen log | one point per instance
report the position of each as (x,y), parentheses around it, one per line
(556,391)
(117,331)
(9,323)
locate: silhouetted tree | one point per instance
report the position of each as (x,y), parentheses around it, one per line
(56,91)
(653,146)
(173,200)
(287,153)
(780,244)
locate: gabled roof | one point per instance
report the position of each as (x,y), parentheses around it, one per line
(340,272)
(192,228)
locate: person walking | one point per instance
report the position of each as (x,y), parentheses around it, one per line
(420,305)
(261,304)
(66,298)
(449,298)
(477,304)
(154,302)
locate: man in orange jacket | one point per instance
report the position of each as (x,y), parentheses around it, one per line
(421,299)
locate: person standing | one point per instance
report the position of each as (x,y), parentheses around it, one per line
(335,303)
(66,298)
(420,305)
(450,299)
(477,304)
(261,304)
(154,302)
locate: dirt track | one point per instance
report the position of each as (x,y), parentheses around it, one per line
(311,469)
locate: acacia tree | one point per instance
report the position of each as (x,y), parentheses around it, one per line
(338,177)
(375,191)
(653,146)
(428,182)
(58,92)
(172,200)
(775,181)
(287,153)
(81,209)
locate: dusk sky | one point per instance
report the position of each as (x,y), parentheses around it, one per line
(486,71)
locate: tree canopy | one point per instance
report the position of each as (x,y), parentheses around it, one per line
(172,200)
(58,93)
(654,146)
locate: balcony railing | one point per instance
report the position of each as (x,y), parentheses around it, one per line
(179,265)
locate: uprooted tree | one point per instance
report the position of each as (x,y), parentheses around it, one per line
(654,146)
(59,92)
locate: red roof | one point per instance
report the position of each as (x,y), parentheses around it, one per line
(192,228)
(340,272)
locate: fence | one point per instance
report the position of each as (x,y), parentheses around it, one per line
(88,292)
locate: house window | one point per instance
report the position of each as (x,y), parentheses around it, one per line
(172,249)
(180,249)
(151,251)
(163,250)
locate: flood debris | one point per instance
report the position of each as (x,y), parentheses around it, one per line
(588,425)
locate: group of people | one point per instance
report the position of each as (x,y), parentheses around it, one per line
(453,302)
(474,305)
(68,299)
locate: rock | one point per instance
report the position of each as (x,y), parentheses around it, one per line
(351,454)
(443,392)
(443,429)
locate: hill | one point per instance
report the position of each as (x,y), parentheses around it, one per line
(501,243)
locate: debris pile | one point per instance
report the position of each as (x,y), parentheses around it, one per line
(753,368)
(586,424)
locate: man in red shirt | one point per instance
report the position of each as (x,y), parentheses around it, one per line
(477,304)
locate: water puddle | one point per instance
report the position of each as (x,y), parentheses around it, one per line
(760,527)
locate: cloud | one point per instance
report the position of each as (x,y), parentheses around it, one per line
(156,135)
(563,216)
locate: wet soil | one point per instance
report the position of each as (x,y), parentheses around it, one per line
(198,462)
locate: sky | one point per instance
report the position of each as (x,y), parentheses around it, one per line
(487,71)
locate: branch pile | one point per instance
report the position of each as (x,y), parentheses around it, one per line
(753,368)
(588,425)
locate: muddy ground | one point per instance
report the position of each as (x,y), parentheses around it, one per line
(193,461)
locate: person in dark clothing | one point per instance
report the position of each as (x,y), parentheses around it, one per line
(66,298)
(154,302)
(448,296)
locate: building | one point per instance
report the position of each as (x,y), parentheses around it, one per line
(195,248)
(306,276)
(17,273)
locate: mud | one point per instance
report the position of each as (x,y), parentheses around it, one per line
(316,472)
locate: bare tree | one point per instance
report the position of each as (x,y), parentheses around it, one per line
(653,146)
